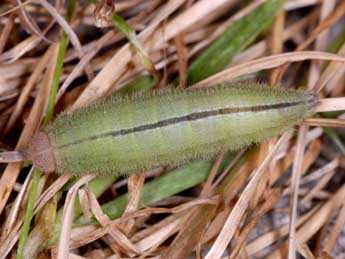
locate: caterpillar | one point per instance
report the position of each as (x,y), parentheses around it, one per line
(139,132)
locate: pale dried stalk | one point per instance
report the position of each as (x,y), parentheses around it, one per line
(267,63)
(239,209)
(63,244)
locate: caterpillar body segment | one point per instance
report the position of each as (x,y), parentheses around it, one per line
(140,132)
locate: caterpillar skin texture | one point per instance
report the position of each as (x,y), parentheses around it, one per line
(140,132)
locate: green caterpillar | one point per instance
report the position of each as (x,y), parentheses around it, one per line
(141,132)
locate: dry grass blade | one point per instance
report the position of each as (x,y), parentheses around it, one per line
(331,19)
(11,173)
(182,59)
(267,63)
(322,182)
(20,49)
(11,10)
(135,186)
(336,230)
(269,238)
(233,205)
(6,32)
(296,4)
(238,211)
(82,64)
(51,191)
(331,104)
(314,223)
(12,217)
(68,30)
(331,166)
(325,122)
(63,246)
(272,199)
(295,182)
(24,96)
(207,189)
(28,23)
(161,234)
(117,236)
(330,71)
(115,68)
(12,156)
(304,250)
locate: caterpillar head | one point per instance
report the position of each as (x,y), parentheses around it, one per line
(41,153)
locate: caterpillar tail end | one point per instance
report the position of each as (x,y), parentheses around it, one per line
(41,153)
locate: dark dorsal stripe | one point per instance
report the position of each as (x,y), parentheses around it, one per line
(189,117)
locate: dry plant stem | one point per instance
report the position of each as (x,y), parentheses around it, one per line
(12,156)
(310,156)
(152,243)
(159,232)
(10,220)
(292,5)
(317,174)
(16,8)
(324,122)
(68,30)
(19,50)
(182,53)
(118,64)
(331,104)
(82,64)
(25,92)
(95,234)
(238,211)
(330,71)
(117,236)
(206,191)
(272,198)
(259,48)
(276,41)
(318,187)
(6,32)
(227,170)
(304,250)
(332,19)
(271,237)
(108,76)
(336,230)
(11,172)
(267,239)
(39,235)
(267,63)
(221,28)
(188,237)
(13,236)
(144,233)
(63,246)
(135,186)
(29,25)
(295,182)
(314,223)
(84,203)
(320,43)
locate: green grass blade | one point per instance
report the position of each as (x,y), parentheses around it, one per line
(28,214)
(162,187)
(237,37)
(49,115)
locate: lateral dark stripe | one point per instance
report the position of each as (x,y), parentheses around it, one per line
(189,117)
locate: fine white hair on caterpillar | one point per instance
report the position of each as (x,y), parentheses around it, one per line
(140,132)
